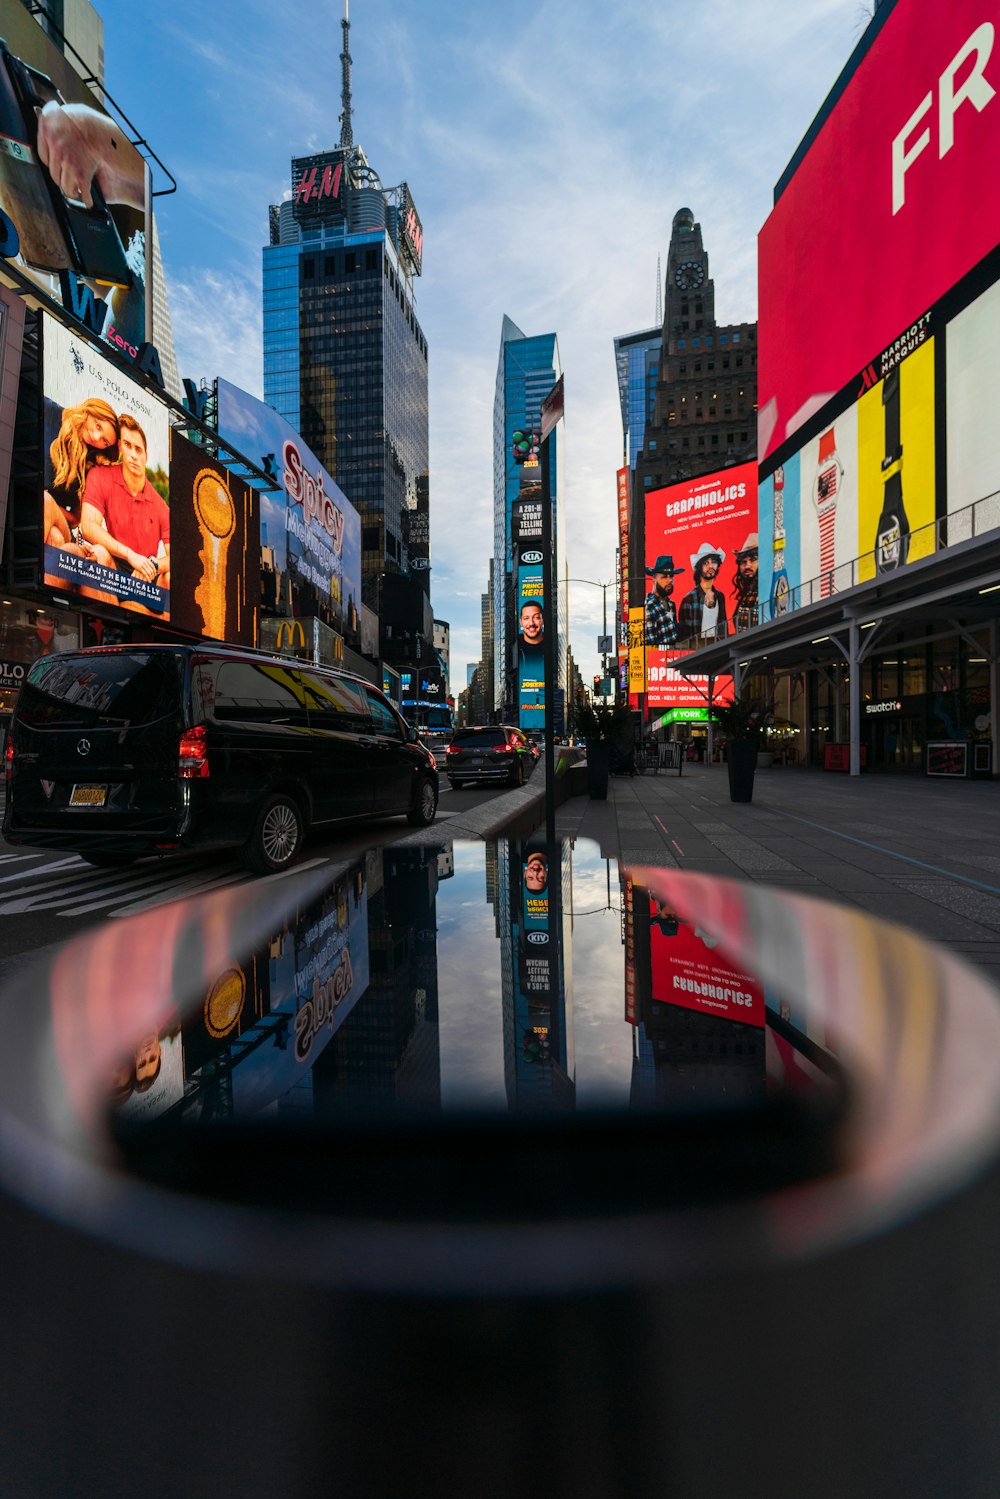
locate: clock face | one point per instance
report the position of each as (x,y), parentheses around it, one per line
(690,275)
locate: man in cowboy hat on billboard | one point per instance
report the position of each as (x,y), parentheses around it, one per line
(703,610)
(661,612)
(745,584)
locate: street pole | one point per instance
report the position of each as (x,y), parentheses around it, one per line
(548,651)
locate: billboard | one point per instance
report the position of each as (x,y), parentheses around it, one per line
(316,972)
(702,577)
(858,499)
(106,511)
(526,540)
(623,570)
(888,208)
(72,184)
(215,579)
(310,533)
(688,972)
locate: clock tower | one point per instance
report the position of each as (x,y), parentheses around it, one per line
(689,286)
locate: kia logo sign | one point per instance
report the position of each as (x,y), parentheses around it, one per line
(538,938)
(531,557)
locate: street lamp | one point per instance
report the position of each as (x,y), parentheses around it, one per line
(604,591)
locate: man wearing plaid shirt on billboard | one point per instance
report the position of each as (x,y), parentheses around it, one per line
(661,613)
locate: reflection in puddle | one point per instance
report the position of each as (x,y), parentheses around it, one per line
(509,978)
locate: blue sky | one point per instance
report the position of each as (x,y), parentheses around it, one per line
(547,146)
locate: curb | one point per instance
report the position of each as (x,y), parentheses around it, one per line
(520,813)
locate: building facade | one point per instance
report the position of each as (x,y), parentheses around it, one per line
(527,370)
(704,413)
(637,359)
(345,357)
(879,505)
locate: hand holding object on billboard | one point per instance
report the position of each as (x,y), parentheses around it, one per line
(79,146)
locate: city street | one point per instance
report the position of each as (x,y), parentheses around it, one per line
(48,896)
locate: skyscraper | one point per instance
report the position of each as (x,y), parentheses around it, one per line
(704,413)
(526,371)
(345,358)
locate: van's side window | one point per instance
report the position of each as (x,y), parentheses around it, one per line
(252,692)
(386,721)
(334,703)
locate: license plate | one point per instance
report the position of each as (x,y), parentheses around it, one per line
(88,796)
(476,760)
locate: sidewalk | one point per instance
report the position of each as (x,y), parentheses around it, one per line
(922,853)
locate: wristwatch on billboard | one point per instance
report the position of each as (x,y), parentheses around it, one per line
(779,577)
(892,539)
(826,488)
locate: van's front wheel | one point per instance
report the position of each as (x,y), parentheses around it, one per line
(277,836)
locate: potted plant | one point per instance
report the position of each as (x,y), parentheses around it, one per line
(744,723)
(602,727)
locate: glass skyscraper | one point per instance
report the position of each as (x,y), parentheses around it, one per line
(526,371)
(345,358)
(637,357)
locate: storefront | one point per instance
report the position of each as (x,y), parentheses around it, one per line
(25,635)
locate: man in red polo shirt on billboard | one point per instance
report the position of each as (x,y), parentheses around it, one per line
(122,512)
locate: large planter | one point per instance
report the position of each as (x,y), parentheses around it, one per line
(598,768)
(741,756)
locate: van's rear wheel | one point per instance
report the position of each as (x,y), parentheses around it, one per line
(424,809)
(277,836)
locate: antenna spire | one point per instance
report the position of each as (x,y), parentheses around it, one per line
(346,133)
(659,286)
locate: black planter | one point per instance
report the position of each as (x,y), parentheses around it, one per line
(741,756)
(598,767)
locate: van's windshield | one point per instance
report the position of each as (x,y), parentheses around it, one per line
(123,688)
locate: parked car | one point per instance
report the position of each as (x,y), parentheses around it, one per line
(496,753)
(122,751)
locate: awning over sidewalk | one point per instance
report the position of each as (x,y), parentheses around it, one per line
(957,588)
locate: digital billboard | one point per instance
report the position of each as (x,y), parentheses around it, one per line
(689,972)
(890,205)
(317,970)
(106,504)
(859,498)
(623,554)
(526,540)
(215,578)
(71,182)
(310,533)
(702,577)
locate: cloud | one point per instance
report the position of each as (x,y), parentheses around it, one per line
(217,328)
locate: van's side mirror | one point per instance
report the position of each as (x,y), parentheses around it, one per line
(412,736)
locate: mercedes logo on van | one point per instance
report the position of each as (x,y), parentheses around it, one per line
(538,938)
(83,747)
(531,557)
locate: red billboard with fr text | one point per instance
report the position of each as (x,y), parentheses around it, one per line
(892,204)
(701,577)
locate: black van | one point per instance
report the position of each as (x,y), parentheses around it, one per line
(130,750)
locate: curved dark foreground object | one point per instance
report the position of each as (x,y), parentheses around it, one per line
(794,1297)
